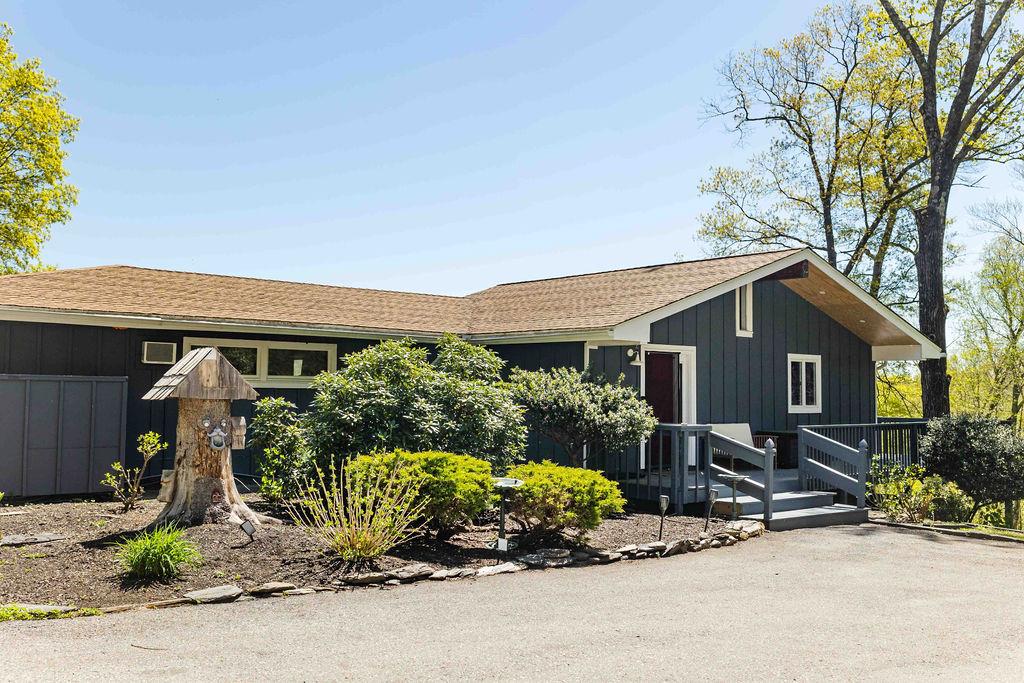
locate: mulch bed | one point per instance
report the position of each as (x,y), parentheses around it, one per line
(82,571)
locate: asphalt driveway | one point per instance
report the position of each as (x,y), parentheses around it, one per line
(864,602)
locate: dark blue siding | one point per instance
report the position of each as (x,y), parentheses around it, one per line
(742,379)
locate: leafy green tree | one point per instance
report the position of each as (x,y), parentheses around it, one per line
(392,397)
(576,410)
(34,192)
(840,169)
(991,353)
(969,81)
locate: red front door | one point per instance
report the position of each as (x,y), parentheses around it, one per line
(661,389)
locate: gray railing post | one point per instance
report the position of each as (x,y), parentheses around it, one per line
(676,488)
(769,479)
(801,455)
(862,476)
(707,462)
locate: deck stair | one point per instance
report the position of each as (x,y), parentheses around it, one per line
(792,508)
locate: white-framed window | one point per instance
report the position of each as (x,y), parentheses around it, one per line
(803,383)
(745,310)
(273,363)
(159,353)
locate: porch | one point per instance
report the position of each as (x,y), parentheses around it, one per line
(690,463)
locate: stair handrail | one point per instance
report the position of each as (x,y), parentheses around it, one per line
(858,458)
(764,459)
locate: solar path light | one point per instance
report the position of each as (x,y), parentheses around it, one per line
(504,485)
(663,506)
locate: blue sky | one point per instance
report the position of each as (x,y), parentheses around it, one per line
(435,147)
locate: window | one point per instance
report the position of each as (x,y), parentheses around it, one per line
(159,353)
(296,362)
(745,311)
(273,364)
(804,383)
(244,358)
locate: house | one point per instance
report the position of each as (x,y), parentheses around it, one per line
(774,340)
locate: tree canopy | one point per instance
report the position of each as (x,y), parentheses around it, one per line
(34,128)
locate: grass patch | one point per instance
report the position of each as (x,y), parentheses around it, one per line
(158,555)
(16,613)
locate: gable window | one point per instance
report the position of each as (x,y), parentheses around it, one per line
(272,363)
(804,383)
(745,310)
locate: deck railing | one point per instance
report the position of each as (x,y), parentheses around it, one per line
(725,447)
(891,442)
(825,463)
(673,462)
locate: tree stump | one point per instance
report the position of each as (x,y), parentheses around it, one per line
(203,488)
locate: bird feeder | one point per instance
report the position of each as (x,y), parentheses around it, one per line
(202,488)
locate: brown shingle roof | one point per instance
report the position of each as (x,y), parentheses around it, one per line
(591,301)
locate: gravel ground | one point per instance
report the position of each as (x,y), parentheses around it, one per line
(843,603)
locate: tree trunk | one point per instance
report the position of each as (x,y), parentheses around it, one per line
(204,486)
(931,248)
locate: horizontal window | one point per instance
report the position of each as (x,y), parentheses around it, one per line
(295,362)
(804,383)
(271,363)
(159,353)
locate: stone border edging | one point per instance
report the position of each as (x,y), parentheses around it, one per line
(962,533)
(545,558)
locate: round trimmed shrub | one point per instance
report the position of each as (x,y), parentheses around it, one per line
(554,497)
(455,489)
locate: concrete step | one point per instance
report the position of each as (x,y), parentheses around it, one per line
(781,501)
(806,518)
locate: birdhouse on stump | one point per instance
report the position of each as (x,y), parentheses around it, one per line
(203,487)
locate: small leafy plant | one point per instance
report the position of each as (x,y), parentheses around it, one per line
(900,492)
(553,497)
(158,555)
(359,517)
(127,482)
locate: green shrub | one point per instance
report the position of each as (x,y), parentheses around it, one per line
(391,397)
(553,497)
(949,503)
(276,433)
(361,517)
(981,455)
(900,492)
(454,489)
(574,410)
(127,482)
(158,555)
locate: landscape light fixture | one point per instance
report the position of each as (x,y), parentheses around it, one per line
(249,528)
(663,506)
(504,485)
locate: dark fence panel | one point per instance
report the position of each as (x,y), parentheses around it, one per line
(59,434)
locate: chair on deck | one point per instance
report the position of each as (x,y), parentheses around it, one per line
(740,431)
